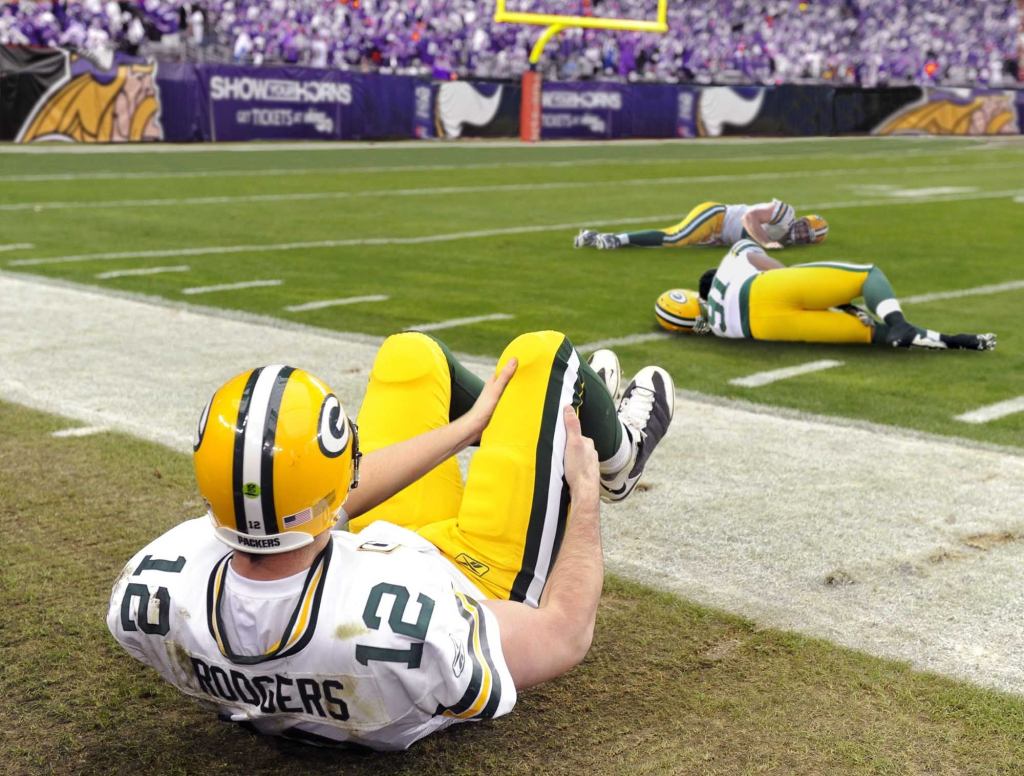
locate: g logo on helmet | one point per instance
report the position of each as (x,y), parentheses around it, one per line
(677,310)
(333,434)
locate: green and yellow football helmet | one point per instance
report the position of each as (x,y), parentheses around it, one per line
(678,310)
(808,230)
(275,456)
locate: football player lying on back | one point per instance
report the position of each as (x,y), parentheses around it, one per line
(441,599)
(751,295)
(771,224)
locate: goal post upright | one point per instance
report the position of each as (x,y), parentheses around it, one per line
(530,106)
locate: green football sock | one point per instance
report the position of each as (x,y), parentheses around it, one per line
(466,386)
(649,239)
(598,417)
(877,289)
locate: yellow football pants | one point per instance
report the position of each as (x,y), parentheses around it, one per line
(702,226)
(792,304)
(504,527)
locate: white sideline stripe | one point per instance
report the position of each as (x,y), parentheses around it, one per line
(995,288)
(264,248)
(685,180)
(992,411)
(127,273)
(629,339)
(231,286)
(81,431)
(451,324)
(301,308)
(17,247)
(758,379)
(406,168)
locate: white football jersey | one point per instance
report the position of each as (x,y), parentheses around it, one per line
(388,641)
(777,226)
(727,305)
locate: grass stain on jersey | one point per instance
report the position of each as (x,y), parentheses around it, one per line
(349,630)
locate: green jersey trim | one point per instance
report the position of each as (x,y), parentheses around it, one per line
(745,306)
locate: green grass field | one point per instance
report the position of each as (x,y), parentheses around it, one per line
(669,687)
(937,216)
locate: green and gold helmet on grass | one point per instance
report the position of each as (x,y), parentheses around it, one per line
(678,310)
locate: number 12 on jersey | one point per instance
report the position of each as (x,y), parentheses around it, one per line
(399,596)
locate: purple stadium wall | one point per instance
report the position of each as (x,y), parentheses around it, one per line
(53,95)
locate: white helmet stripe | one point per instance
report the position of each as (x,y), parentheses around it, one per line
(675,319)
(253,482)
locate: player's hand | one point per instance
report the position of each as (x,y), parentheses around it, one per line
(480,413)
(581,466)
(774,245)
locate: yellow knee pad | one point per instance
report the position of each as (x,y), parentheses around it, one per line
(532,347)
(407,357)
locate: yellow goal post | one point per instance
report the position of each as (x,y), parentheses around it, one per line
(529,122)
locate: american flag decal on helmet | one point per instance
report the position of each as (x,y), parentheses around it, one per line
(290,521)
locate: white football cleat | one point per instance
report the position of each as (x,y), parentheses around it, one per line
(646,410)
(606,364)
(608,242)
(587,238)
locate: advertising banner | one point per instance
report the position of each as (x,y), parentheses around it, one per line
(50,94)
(55,95)
(250,103)
(585,110)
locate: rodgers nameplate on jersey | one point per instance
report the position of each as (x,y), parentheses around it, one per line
(424,655)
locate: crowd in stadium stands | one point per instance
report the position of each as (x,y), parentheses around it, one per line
(754,41)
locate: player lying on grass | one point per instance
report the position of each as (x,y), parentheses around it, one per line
(753,296)
(772,224)
(441,599)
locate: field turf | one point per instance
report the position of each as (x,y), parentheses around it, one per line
(937,216)
(450,232)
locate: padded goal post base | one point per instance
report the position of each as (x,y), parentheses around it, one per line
(530,108)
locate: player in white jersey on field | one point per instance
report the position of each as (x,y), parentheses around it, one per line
(751,295)
(771,224)
(443,598)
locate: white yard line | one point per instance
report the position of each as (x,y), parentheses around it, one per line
(629,339)
(230,286)
(130,273)
(17,247)
(213,250)
(746,508)
(323,303)
(451,236)
(352,171)
(79,431)
(451,324)
(993,411)
(995,288)
(887,202)
(759,379)
(936,195)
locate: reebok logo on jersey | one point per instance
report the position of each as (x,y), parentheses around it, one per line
(472,564)
(250,541)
